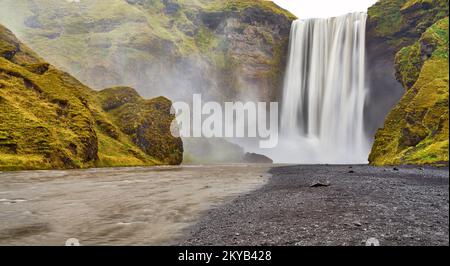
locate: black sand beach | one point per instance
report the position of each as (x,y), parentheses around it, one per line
(349,205)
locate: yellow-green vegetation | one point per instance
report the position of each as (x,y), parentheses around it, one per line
(408,63)
(411,4)
(220,48)
(146,122)
(409,60)
(416,130)
(239,5)
(386,17)
(401,22)
(49,120)
(135,42)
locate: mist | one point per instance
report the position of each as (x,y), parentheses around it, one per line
(125,51)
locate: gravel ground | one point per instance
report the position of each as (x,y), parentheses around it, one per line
(397,206)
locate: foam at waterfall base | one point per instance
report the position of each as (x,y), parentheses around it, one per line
(322,116)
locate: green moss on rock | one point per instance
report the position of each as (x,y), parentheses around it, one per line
(416,130)
(239,5)
(146,122)
(49,120)
(136,42)
(402,22)
(408,63)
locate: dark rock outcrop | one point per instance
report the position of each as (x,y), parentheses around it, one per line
(257,158)
(239,47)
(49,120)
(223,49)
(147,122)
(408,60)
(392,25)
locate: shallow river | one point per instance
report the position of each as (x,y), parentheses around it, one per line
(116,206)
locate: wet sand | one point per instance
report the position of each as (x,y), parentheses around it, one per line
(119,206)
(397,206)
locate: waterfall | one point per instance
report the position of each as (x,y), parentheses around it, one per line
(324,91)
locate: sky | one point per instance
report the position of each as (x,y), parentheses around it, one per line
(323,8)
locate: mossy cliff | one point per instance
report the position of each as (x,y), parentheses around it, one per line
(146,122)
(48,119)
(400,23)
(223,49)
(416,130)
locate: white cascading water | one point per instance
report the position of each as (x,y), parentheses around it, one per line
(324,92)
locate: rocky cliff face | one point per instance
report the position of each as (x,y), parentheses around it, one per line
(392,25)
(221,48)
(408,48)
(147,122)
(48,119)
